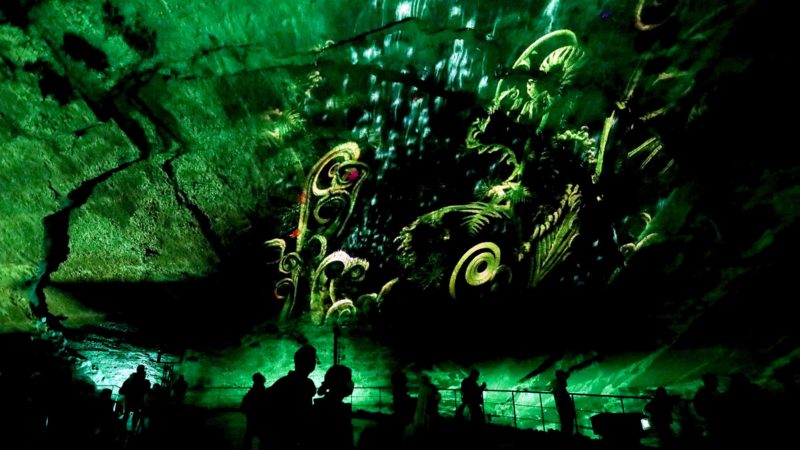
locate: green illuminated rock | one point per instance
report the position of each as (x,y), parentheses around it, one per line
(611,179)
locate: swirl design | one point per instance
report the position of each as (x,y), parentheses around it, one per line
(290,262)
(276,245)
(341,311)
(326,205)
(317,247)
(483,266)
(332,186)
(335,269)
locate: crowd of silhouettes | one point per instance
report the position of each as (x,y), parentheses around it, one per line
(744,415)
(47,404)
(279,415)
(292,420)
(47,407)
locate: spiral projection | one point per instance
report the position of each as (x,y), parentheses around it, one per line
(332,188)
(327,203)
(483,264)
(276,244)
(290,262)
(341,310)
(317,246)
(324,284)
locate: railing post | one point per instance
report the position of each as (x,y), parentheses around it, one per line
(514,408)
(455,403)
(380,399)
(622,404)
(541,408)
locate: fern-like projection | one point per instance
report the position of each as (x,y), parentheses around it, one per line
(483,212)
(281,125)
(514,193)
(480,214)
(553,238)
(499,191)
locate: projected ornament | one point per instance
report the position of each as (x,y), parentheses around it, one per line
(326,204)
(482,266)
(337,271)
(552,239)
(538,78)
(331,192)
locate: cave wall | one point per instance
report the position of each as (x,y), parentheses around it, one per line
(149,149)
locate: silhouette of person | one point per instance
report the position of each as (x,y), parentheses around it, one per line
(290,403)
(660,411)
(154,404)
(427,406)
(179,390)
(331,416)
(254,406)
(472,397)
(707,404)
(402,403)
(564,403)
(134,390)
(743,407)
(106,420)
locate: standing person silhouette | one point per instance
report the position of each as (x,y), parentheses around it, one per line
(179,390)
(472,397)
(289,403)
(332,419)
(254,404)
(402,403)
(427,406)
(134,389)
(564,403)
(660,411)
(708,406)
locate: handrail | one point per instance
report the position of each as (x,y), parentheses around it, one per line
(527,391)
(513,409)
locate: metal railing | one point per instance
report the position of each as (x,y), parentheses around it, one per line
(521,409)
(533,410)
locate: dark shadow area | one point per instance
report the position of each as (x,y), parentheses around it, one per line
(180,312)
(79,49)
